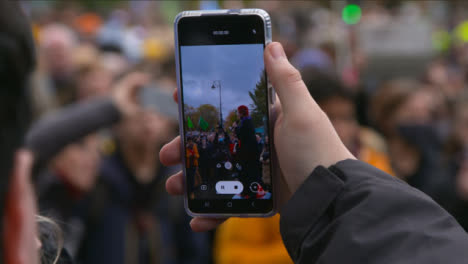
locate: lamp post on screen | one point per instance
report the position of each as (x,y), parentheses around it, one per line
(217,84)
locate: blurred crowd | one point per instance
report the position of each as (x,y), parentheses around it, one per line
(393,85)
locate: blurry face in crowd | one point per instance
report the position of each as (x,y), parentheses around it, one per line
(342,115)
(78,163)
(211,137)
(58,59)
(57,45)
(437,73)
(417,109)
(19,226)
(147,129)
(448,81)
(462,54)
(405,158)
(95,82)
(461,125)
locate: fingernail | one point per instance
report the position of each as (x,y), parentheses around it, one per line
(277,51)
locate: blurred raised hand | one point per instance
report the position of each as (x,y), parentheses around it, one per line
(125,94)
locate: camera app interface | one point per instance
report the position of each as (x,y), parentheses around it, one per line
(227,149)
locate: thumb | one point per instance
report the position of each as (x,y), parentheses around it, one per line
(287,81)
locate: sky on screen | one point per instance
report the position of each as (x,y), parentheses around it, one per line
(237,67)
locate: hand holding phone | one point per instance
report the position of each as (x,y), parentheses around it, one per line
(304,138)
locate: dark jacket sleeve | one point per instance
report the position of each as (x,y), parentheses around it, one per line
(355,213)
(52,133)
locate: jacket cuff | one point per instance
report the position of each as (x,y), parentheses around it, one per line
(306,206)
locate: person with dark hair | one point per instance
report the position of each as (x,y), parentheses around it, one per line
(456,157)
(17,208)
(403,110)
(248,154)
(339,105)
(205,162)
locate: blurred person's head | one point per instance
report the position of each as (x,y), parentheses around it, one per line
(336,102)
(403,110)
(114,62)
(243,111)
(461,121)
(401,102)
(211,137)
(458,142)
(437,73)
(84,54)
(77,164)
(17,207)
(93,80)
(57,43)
(448,80)
(461,54)
(148,129)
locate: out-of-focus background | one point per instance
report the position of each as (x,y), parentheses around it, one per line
(391,75)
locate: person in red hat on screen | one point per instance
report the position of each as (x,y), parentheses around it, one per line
(248,155)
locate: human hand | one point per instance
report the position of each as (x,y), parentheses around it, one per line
(125,94)
(304,136)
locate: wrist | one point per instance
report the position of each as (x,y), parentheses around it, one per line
(296,180)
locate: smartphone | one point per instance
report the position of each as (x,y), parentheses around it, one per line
(224,112)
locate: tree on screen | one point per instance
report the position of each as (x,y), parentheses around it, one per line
(259,98)
(210,115)
(231,118)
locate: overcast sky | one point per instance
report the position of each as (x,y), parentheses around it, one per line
(238,67)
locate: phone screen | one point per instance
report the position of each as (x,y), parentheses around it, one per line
(225,114)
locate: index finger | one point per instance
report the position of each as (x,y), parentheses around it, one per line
(286,80)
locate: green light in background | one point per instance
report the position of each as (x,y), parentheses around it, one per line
(351,14)
(461,32)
